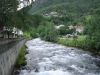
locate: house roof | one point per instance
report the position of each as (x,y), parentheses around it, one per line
(71,27)
(80,27)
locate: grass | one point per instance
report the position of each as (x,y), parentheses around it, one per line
(81,37)
(72,42)
(21,58)
(27,35)
(79,43)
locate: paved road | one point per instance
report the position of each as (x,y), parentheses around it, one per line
(7,46)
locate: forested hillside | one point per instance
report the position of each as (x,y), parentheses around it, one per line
(83,5)
(72,11)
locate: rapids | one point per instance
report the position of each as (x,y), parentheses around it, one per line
(46,58)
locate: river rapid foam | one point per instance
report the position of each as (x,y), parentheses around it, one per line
(46,58)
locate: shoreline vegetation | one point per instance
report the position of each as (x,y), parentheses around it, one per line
(20,61)
(78,43)
(21,58)
(73,42)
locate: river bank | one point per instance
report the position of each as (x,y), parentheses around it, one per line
(78,43)
(20,61)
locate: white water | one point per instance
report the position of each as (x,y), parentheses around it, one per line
(47,58)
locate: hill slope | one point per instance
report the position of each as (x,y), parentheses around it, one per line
(75,12)
(84,5)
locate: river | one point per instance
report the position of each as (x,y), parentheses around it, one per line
(46,58)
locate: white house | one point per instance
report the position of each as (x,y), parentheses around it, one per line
(57,27)
(80,29)
(12,33)
(16,31)
(55,14)
(71,27)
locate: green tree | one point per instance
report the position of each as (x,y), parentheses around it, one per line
(36,20)
(62,30)
(9,15)
(93,41)
(48,32)
(33,33)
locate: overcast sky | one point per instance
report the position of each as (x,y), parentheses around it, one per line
(21,5)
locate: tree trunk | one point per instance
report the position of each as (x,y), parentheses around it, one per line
(8,34)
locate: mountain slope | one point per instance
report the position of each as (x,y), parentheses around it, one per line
(75,12)
(82,4)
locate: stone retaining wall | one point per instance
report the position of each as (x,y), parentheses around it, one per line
(8,59)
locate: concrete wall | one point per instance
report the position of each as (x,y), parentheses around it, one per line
(8,59)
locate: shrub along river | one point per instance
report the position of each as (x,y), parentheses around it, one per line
(46,58)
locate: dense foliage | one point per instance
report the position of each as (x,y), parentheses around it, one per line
(65,30)
(93,32)
(83,5)
(73,12)
(44,29)
(11,17)
(49,33)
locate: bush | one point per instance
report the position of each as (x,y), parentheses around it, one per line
(21,58)
(33,33)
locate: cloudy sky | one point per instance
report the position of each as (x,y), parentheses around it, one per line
(21,5)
